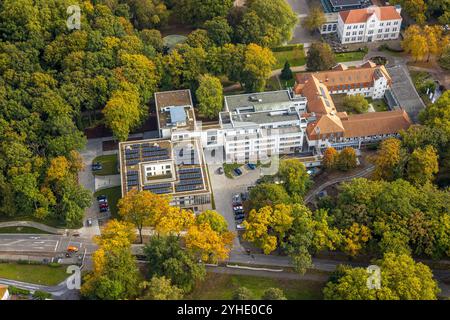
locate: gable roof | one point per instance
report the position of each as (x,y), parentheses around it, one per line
(363,15)
(319,99)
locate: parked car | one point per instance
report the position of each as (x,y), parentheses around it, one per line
(238,172)
(220,170)
(103,205)
(240,227)
(101,197)
(239,216)
(237,199)
(71,249)
(104,209)
(251,166)
(244,195)
(238,212)
(237,207)
(97,166)
(103,201)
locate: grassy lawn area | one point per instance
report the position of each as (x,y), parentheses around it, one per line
(22,230)
(113,194)
(109,163)
(420,80)
(294,54)
(272,84)
(379,104)
(221,287)
(229,167)
(350,56)
(49,221)
(33,273)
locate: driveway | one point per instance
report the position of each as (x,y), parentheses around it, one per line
(301,35)
(224,189)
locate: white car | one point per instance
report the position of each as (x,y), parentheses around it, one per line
(240,227)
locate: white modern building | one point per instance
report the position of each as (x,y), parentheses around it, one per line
(369,24)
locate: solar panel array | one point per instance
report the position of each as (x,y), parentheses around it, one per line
(190,176)
(188,182)
(145,152)
(190,170)
(188,188)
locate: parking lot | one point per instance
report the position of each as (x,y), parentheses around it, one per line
(224,189)
(405,92)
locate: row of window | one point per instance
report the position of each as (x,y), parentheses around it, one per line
(379,36)
(361,26)
(361,32)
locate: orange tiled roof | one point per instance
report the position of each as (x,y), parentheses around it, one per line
(355,77)
(375,123)
(362,15)
(319,99)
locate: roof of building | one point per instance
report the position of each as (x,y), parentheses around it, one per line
(342,76)
(363,15)
(319,99)
(375,123)
(177,114)
(259,101)
(3,290)
(175,109)
(338,3)
(264,117)
(185,159)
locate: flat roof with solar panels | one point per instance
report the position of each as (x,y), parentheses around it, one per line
(164,167)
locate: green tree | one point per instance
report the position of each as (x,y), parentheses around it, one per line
(314,20)
(243,293)
(214,219)
(401,279)
(219,31)
(387,160)
(210,96)
(347,159)
(160,288)
(356,103)
(320,57)
(199,11)
(286,72)
(273,294)
(167,258)
(147,14)
(293,173)
(122,112)
(422,165)
(267,194)
(258,64)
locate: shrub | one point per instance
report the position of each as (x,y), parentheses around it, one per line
(242,294)
(41,295)
(18,291)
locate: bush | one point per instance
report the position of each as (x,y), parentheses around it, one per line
(18,291)
(242,294)
(287,48)
(274,294)
(356,103)
(41,295)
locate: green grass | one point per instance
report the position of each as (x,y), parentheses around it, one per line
(109,163)
(379,104)
(49,221)
(272,84)
(113,194)
(229,167)
(350,56)
(221,287)
(420,78)
(294,55)
(33,273)
(22,230)
(172,40)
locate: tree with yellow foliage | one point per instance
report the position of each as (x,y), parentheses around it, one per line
(330,156)
(115,274)
(143,208)
(415,43)
(174,221)
(59,168)
(268,226)
(207,244)
(387,159)
(355,238)
(423,165)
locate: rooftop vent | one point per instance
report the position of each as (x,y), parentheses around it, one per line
(254,99)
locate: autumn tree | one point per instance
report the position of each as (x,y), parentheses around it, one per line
(258,65)
(314,20)
(147,14)
(122,112)
(387,159)
(320,57)
(214,219)
(330,156)
(415,43)
(207,244)
(142,208)
(422,165)
(210,96)
(355,237)
(160,288)
(267,227)
(199,11)
(347,159)
(115,274)
(401,279)
(415,8)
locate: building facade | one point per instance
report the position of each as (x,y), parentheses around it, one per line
(369,24)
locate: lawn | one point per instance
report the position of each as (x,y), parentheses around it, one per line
(229,167)
(421,79)
(350,56)
(219,286)
(272,84)
(295,55)
(33,273)
(113,194)
(22,230)
(109,163)
(379,104)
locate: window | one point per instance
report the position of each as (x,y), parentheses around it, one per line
(354,33)
(380,30)
(387,30)
(355,27)
(347,33)
(386,35)
(381,24)
(388,23)
(394,29)
(395,23)
(361,32)
(370,32)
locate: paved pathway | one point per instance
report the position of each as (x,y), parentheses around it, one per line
(314,192)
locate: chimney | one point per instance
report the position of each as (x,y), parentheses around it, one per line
(398,8)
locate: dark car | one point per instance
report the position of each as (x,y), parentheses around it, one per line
(251,166)
(97,166)
(238,171)
(104,209)
(102,197)
(238,212)
(239,217)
